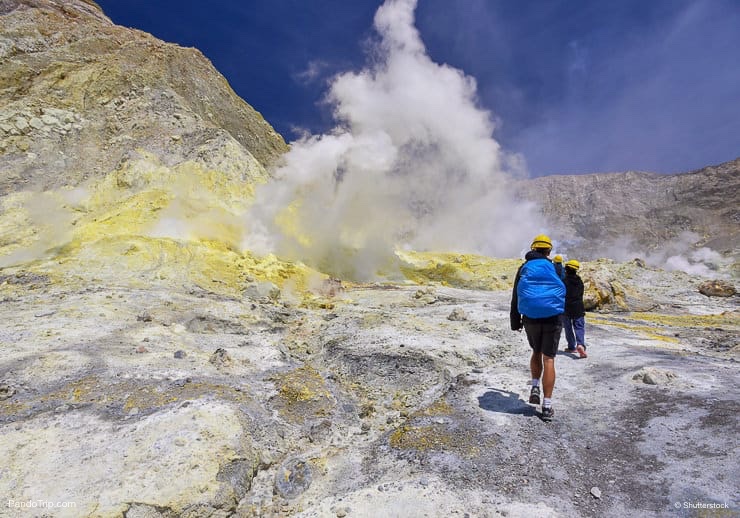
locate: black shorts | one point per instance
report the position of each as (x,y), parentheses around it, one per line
(543,334)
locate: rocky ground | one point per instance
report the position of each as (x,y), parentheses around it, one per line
(382,399)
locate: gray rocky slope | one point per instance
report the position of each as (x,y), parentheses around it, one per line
(650,211)
(81,95)
(151,375)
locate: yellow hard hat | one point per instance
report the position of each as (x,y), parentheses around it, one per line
(573,264)
(541,241)
(558,259)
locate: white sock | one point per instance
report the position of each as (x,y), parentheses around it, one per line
(535,382)
(547,402)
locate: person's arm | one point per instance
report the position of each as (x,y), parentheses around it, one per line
(514,316)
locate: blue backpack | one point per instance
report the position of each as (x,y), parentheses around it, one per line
(540,292)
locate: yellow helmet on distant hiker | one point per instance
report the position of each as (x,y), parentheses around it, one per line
(541,241)
(573,264)
(557,259)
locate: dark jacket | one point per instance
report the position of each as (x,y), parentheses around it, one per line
(573,295)
(545,290)
(559,270)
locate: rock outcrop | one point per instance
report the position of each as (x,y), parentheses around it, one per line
(717,288)
(123,156)
(79,97)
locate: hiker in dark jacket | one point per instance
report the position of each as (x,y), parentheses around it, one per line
(574,319)
(537,303)
(557,262)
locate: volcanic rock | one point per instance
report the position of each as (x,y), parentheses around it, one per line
(654,376)
(6,391)
(81,96)
(717,288)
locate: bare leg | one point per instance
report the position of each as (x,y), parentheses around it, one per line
(535,365)
(548,378)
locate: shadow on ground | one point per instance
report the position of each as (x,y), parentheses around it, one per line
(497,400)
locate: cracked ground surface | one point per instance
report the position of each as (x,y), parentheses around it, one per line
(386,400)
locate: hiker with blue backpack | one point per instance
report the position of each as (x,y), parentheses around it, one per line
(537,303)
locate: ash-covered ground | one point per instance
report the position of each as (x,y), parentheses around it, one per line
(377,399)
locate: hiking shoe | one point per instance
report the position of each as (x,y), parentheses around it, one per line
(534,396)
(547,413)
(581,351)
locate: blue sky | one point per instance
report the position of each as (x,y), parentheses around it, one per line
(573,86)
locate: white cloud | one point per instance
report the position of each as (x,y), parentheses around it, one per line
(313,71)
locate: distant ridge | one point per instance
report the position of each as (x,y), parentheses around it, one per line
(650,209)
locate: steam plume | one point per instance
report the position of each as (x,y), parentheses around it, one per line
(679,254)
(411,163)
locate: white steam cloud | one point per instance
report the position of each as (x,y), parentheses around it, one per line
(677,254)
(411,163)
(46,224)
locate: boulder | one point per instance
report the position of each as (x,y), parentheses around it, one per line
(717,288)
(293,478)
(654,376)
(603,291)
